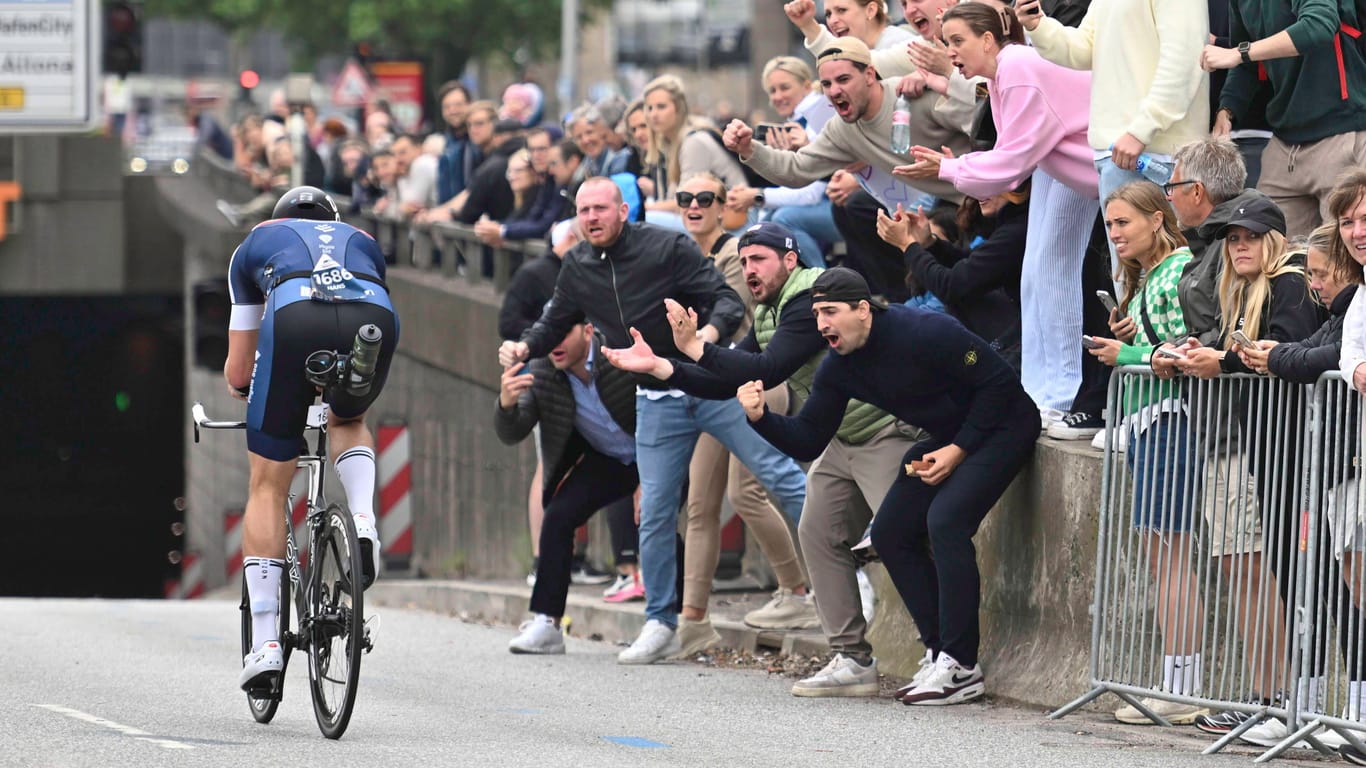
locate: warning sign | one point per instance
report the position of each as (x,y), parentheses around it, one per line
(353,86)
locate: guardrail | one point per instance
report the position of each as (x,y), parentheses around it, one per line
(1227,526)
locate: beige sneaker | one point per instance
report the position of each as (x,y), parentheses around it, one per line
(841,677)
(785,611)
(1176,714)
(696,637)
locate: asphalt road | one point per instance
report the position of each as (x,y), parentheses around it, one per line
(151,683)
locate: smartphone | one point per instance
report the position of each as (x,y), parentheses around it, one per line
(1109,301)
(1170,353)
(1035,11)
(1090,343)
(1242,340)
(525,369)
(762,130)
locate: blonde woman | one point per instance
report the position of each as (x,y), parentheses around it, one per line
(681,145)
(805,210)
(1152,254)
(864,19)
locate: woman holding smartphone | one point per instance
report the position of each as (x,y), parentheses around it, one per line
(1152,254)
(1041,113)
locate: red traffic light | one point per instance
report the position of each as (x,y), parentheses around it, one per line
(249,79)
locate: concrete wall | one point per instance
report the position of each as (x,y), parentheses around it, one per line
(81,226)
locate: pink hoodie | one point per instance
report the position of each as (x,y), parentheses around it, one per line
(1041,112)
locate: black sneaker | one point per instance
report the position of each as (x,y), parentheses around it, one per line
(1076,426)
(584,573)
(1221,723)
(1352,755)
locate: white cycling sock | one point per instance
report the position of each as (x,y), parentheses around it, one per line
(263,589)
(356,468)
(1181,674)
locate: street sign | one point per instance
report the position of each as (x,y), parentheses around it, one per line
(353,87)
(49,66)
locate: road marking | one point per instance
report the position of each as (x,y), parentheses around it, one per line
(126,730)
(632,741)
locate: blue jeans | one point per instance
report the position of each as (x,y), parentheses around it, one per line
(666,431)
(814,228)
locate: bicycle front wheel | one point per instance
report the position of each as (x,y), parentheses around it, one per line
(336,624)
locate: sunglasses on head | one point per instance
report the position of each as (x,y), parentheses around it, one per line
(704,199)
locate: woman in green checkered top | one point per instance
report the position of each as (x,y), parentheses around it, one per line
(1152,253)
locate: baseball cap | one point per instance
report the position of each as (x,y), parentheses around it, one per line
(843,284)
(846,49)
(773,235)
(1258,214)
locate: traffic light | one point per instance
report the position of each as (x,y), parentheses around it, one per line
(212,309)
(248,80)
(122,39)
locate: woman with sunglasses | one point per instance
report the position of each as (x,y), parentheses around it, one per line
(1041,113)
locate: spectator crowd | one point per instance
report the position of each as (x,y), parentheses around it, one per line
(854,316)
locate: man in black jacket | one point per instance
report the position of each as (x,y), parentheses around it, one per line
(618,278)
(587,413)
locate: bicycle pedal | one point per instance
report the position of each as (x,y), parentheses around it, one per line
(371,632)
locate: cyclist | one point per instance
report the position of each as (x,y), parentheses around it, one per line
(300,282)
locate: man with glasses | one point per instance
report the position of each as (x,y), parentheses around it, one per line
(1206,191)
(618,278)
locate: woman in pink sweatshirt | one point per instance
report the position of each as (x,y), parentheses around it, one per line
(1041,112)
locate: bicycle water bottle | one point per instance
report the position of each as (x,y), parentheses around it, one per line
(1155,171)
(901,126)
(364,357)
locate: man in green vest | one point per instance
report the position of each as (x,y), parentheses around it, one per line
(850,478)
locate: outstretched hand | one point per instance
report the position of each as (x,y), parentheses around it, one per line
(639,358)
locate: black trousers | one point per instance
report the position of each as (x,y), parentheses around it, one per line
(923,534)
(882,265)
(594,483)
(1095,321)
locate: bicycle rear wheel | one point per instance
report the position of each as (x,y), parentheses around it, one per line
(263,707)
(336,624)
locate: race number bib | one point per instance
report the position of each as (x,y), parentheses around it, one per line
(333,282)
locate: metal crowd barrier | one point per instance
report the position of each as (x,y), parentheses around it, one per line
(449,248)
(1227,524)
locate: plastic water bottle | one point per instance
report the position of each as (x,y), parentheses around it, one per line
(901,126)
(1155,171)
(364,357)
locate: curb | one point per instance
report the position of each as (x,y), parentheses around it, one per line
(589,617)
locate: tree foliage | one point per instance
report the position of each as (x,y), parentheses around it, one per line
(445,34)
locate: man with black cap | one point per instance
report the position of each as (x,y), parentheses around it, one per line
(854,471)
(926,369)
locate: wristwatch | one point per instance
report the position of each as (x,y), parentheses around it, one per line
(759,199)
(1245,51)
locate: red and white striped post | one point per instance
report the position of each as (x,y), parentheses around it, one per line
(395,496)
(232,544)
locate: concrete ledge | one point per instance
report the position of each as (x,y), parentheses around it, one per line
(506,603)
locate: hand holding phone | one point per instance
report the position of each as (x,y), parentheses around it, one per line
(1090,343)
(1169,353)
(1242,340)
(762,130)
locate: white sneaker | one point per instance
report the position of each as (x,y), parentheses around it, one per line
(1121,440)
(948,682)
(369,549)
(841,677)
(656,641)
(259,666)
(866,596)
(1050,416)
(921,675)
(1269,733)
(785,611)
(538,635)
